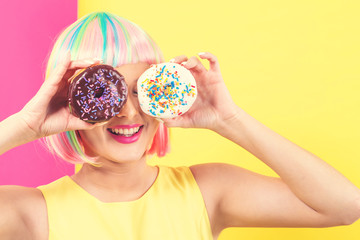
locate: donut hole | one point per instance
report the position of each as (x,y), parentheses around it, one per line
(99,92)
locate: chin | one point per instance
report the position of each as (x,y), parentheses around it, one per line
(129,156)
(110,150)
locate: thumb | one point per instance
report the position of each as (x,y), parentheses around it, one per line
(78,124)
(174,122)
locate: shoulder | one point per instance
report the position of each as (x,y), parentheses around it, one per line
(218,178)
(210,175)
(26,209)
(213,180)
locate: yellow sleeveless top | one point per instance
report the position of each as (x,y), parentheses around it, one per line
(173,208)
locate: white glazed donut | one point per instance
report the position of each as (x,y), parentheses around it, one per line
(166,90)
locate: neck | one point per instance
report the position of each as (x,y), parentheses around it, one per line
(129,180)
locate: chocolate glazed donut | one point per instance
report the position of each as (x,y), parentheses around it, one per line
(97,93)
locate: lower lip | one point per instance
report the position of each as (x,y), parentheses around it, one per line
(127,140)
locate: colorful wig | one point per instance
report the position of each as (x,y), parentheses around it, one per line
(116,41)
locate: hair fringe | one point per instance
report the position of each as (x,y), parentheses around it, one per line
(105,34)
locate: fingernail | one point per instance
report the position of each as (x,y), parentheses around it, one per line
(201,53)
(172,60)
(183,63)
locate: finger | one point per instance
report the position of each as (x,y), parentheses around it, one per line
(195,65)
(64,70)
(78,124)
(84,63)
(59,71)
(174,122)
(214,64)
(66,65)
(77,65)
(179,59)
(99,124)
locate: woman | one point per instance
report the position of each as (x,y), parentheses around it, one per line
(116,195)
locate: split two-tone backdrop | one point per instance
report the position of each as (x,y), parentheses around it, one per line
(293,65)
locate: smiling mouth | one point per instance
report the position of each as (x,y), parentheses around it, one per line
(125,132)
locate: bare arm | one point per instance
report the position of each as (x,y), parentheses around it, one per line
(47,112)
(13,133)
(318,185)
(20,209)
(308,193)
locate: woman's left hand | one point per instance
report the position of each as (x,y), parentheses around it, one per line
(213,104)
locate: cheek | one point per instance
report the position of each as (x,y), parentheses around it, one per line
(153,123)
(153,127)
(90,140)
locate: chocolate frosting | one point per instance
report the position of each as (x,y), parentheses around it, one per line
(97,93)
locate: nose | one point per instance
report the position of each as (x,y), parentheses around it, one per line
(129,109)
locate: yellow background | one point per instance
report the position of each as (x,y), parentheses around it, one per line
(293,65)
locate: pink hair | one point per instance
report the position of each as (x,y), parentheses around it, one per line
(160,144)
(117,41)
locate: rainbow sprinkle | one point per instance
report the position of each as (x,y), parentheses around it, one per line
(97,96)
(166,92)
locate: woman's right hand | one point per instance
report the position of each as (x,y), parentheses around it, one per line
(48,112)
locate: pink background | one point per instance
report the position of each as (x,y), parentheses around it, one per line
(28,31)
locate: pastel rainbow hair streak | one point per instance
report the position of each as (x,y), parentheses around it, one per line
(116,41)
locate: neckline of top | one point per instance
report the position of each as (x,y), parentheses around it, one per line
(141,198)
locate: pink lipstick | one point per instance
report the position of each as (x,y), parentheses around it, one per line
(123,138)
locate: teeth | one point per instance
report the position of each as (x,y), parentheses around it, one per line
(125,131)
